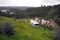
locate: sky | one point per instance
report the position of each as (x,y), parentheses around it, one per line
(30,3)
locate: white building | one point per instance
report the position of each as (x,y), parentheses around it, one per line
(11,13)
(4,11)
(43,21)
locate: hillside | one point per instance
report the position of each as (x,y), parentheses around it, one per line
(24,31)
(44,12)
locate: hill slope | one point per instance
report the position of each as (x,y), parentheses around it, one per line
(24,31)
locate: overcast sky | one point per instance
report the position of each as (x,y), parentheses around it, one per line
(31,3)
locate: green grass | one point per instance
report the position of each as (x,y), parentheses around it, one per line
(24,31)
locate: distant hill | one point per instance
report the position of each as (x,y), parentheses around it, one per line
(13,7)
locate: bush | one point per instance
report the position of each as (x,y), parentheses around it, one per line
(6,28)
(57,33)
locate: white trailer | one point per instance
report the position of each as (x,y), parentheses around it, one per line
(34,23)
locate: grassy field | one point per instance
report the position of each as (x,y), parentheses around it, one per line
(24,31)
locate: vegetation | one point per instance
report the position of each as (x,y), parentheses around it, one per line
(24,31)
(43,12)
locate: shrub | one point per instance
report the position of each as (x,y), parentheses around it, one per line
(56,33)
(6,28)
